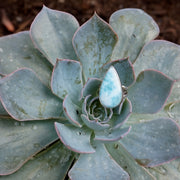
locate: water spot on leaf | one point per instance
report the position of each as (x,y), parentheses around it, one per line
(34,127)
(37,145)
(60,32)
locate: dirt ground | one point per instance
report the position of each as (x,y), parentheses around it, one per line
(17,15)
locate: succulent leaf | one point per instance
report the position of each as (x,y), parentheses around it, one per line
(84,105)
(166,171)
(170,110)
(98,165)
(111,135)
(72,112)
(75,139)
(91,87)
(94,42)
(25,97)
(153,142)
(161,55)
(93,124)
(150,92)
(134,29)
(127,162)
(91,100)
(21,53)
(120,118)
(21,140)
(53,163)
(67,79)
(124,69)
(52,33)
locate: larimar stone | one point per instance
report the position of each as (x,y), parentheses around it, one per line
(110,94)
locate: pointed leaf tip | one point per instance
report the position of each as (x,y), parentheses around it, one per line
(52,32)
(110,94)
(134,28)
(94,42)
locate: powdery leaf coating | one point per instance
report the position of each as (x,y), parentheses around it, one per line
(21,140)
(98,165)
(127,162)
(153,142)
(25,97)
(22,53)
(94,42)
(67,79)
(134,28)
(52,164)
(161,55)
(75,139)
(52,33)
(167,171)
(150,92)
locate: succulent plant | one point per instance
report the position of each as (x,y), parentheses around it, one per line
(110,106)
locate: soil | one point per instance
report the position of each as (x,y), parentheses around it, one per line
(17,15)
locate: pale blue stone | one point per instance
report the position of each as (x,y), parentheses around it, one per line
(110,94)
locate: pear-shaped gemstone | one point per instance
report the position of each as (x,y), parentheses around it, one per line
(110,94)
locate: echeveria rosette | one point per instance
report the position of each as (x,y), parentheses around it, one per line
(114,143)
